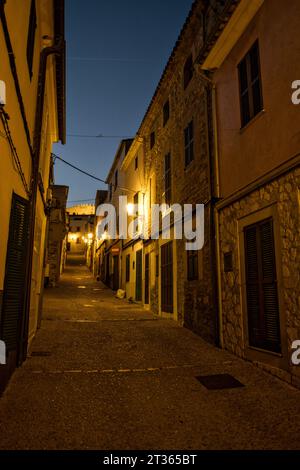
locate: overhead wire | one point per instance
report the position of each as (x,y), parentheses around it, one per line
(56,157)
(98,136)
(4,118)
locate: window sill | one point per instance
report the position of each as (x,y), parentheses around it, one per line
(254,119)
(265,351)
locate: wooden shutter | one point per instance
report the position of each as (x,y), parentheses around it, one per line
(188,71)
(15,275)
(147,277)
(167,194)
(251,101)
(261,286)
(127,268)
(192,265)
(167,278)
(138,273)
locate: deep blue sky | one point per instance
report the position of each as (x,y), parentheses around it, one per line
(116,52)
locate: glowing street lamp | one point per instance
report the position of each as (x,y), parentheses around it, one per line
(130,208)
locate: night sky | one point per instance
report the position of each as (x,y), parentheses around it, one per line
(116,52)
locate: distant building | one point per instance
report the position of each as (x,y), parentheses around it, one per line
(81,228)
(82,209)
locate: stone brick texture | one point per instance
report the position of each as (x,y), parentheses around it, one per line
(284,192)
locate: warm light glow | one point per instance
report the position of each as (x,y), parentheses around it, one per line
(73,237)
(130,208)
(90,236)
(104,235)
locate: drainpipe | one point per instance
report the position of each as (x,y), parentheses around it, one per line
(57,49)
(212,200)
(216,214)
(214,196)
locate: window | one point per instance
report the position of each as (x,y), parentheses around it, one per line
(136,162)
(228,262)
(261,286)
(192,265)
(127,268)
(110,191)
(167,179)
(116,179)
(189,143)
(166,112)
(152,140)
(166,280)
(30,37)
(250,85)
(188,71)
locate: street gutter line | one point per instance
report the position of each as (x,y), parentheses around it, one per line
(122,371)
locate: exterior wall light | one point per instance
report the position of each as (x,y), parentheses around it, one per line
(130,208)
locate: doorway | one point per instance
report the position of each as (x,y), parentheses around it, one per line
(115,272)
(147,277)
(167,278)
(138,273)
(13,307)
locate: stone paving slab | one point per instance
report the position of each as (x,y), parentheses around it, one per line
(124,379)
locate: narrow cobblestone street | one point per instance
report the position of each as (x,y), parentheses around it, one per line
(105,374)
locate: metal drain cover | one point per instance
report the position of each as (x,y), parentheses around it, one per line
(219,381)
(40,354)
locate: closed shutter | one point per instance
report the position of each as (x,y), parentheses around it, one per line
(147,277)
(167,278)
(15,282)
(261,286)
(138,273)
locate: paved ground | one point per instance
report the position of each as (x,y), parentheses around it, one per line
(116,377)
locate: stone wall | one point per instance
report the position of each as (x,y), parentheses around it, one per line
(54,260)
(284,192)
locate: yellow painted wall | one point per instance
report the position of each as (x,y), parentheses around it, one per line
(17,16)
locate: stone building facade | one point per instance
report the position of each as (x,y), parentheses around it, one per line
(183,91)
(279,198)
(221,130)
(257,153)
(175,131)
